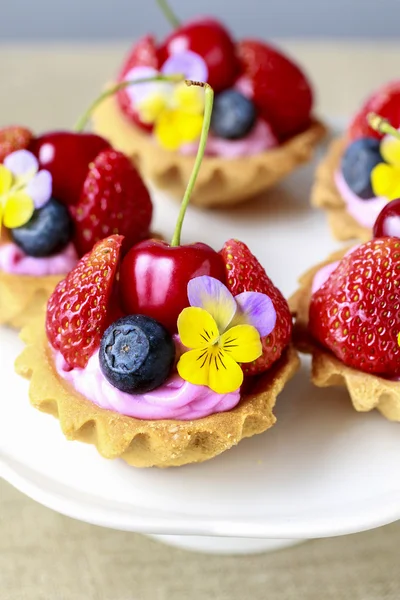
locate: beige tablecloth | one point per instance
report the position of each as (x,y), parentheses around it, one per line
(44,556)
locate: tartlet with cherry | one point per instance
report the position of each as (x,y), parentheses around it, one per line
(60,193)
(168,355)
(262,127)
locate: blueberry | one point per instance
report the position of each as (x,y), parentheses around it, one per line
(136,354)
(233,115)
(357,163)
(48,231)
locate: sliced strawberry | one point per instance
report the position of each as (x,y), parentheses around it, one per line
(384,102)
(280,90)
(77,309)
(246,274)
(143,54)
(114,200)
(356,312)
(13,138)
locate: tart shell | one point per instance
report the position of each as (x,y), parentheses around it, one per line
(367,391)
(325,195)
(24,297)
(221,182)
(146,443)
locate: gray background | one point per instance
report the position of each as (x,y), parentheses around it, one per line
(124,19)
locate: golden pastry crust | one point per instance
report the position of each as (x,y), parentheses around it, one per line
(221,182)
(325,195)
(24,297)
(144,443)
(367,391)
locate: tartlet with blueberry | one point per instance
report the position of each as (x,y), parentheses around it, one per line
(59,193)
(168,355)
(347,317)
(262,126)
(359,174)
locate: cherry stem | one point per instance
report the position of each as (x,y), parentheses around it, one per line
(382,125)
(169,13)
(84,119)
(209,100)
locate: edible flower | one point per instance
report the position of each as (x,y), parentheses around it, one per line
(175,109)
(22,188)
(221,331)
(385,177)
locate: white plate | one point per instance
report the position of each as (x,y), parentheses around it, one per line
(323,470)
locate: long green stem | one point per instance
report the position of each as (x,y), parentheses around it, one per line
(382,125)
(83,120)
(209,100)
(169,13)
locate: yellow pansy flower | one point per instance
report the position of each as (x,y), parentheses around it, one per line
(22,188)
(221,332)
(385,177)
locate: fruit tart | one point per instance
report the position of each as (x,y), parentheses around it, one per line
(59,193)
(348,318)
(262,125)
(169,356)
(358,176)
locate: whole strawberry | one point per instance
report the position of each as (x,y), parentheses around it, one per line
(356,313)
(114,200)
(13,138)
(279,89)
(245,274)
(77,311)
(384,102)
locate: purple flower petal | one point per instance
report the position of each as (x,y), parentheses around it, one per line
(21,162)
(212,295)
(255,309)
(40,187)
(186,63)
(140,91)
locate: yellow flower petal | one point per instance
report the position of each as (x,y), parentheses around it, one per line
(6,180)
(193,366)
(151,108)
(18,210)
(189,127)
(225,375)
(167,130)
(211,367)
(390,150)
(189,99)
(197,328)
(242,343)
(385,181)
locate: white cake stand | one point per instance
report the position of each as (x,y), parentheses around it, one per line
(323,470)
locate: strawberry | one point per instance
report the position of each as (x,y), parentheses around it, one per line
(143,54)
(77,309)
(13,138)
(245,274)
(356,311)
(113,200)
(384,102)
(279,89)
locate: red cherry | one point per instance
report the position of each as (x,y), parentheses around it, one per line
(208,38)
(154,278)
(67,156)
(386,103)
(387,223)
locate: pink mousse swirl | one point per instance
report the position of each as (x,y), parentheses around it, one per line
(175,399)
(13,260)
(365,212)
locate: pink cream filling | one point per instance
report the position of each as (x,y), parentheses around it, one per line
(13,260)
(364,212)
(259,139)
(175,399)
